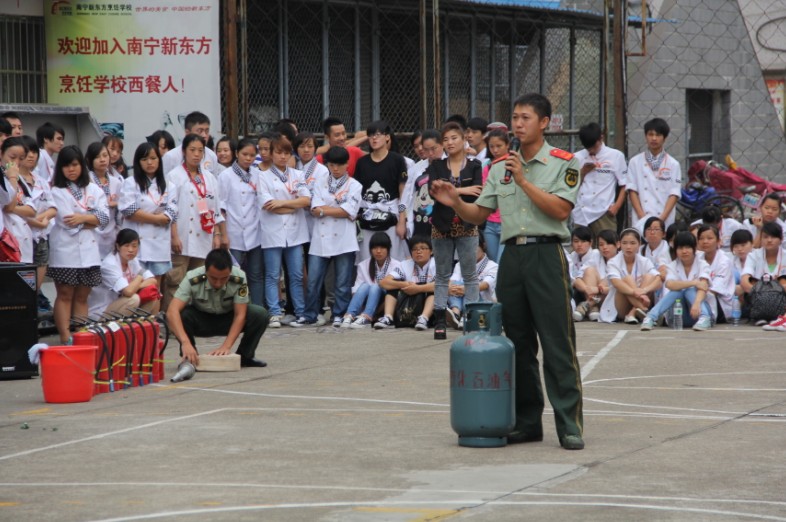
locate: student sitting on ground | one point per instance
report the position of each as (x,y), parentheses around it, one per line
(487,283)
(581,242)
(413,278)
(592,280)
(741,246)
(688,279)
(125,284)
(367,292)
(633,280)
(721,273)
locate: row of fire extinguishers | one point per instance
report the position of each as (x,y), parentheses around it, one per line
(130,348)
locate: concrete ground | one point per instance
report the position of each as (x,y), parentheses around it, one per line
(355,426)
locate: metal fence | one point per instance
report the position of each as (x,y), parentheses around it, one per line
(365,60)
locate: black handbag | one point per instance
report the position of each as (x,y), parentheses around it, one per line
(408,309)
(768,300)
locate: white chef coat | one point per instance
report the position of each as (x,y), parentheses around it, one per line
(617,268)
(41,198)
(174,158)
(45,167)
(599,187)
(113,281)
(363,275)
(283,230)
(155,241)
(242,203)
(196,242)
(700,269)
(661,256)
(18,226)
(756,264)
(75,247)
(108,236)
(489,275)
(332,236)
(722,284)
(654,188)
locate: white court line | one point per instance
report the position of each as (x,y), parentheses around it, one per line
(681,375)
(460,505)
(585,371)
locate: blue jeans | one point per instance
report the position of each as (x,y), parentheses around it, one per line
(366,299)
(293,257)
(492,234)
(466,247)
(456,301)
(688,296)
(253,265)
(317,267)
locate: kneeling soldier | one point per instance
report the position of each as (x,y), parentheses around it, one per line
(213,301)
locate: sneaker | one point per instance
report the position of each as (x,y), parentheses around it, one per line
(451,318)
(275,322)
(761,322)
(629,319)
(594,311)
(639,314)
(422,323)
(338,322)
(346,322)
(301,322)
(778,325)
(384,322)
(43,304)
(321,321)
(287,319)
(360,322)
(647,324)
(703,323)
(581,311)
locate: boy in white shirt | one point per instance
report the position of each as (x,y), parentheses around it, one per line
(603,173)
(199,124)
(654,177)
(50,139)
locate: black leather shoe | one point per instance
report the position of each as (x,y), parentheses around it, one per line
(519,438)
(247,362)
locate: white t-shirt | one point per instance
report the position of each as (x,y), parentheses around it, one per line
(599,187)
(654,188)
(721,284)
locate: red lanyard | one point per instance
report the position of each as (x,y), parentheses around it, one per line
(203,191)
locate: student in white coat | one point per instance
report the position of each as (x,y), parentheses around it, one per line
(199,124)
(284,230)
(40,225)
(9,174)
(150,208)
(97,157)
(50,141)
(20,208)
(241,205)
(592,278)
(688,279)
(334,207)
(199,227)
(125,284)
(74,262)
(721,273)
(633,279)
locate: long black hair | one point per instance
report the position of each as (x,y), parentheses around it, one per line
(139,175)
(68,155)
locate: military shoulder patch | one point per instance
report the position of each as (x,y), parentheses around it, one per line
(242,291)
(561,154)
(237,279)
(198,279)
(571,177)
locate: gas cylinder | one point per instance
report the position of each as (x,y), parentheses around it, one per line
(482,380)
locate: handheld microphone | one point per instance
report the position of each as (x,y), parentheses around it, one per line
(515,144)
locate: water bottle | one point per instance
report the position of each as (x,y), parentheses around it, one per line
(736,313)
(678,314)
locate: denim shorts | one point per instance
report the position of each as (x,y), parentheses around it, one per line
(158,268)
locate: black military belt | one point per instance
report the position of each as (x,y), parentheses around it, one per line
(531,240)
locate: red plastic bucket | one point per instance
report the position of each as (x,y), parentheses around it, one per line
(67,373)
